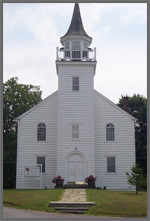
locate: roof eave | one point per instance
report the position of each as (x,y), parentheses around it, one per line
(67,37)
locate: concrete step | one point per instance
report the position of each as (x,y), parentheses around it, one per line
(70,204)
(72,208)
(72,211)
(75,186)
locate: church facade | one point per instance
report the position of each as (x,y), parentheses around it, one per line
(76,131)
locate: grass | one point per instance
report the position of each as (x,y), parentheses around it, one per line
(32,199)
(117,203)
(107,203)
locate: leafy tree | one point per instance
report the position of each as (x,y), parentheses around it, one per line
(138,109)
(17,99)
(136,177)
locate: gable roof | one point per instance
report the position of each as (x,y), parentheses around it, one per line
(96,92)
(36,106)
(115,106)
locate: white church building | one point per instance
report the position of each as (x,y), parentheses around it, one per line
(76,131)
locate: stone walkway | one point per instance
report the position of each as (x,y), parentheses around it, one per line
(72,201)
(74,195)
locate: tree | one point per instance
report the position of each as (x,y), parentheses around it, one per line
(17,99)
(136,177)
(138,109)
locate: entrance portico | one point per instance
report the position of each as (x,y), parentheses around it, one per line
(75,167)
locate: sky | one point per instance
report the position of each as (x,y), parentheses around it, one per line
(32,31)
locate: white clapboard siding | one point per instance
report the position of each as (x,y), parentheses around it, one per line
(92,111)
(75,107)
(123,148)
(29,148)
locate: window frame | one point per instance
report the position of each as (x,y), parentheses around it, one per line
(43,164)
(110,132)
(85,45)
(76,45)
(75,83)
(75,131)
(67,45)
(41,132)
(111,164)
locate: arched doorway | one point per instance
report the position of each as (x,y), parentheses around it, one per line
(75,168)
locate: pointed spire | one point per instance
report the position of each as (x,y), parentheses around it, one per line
(76,26)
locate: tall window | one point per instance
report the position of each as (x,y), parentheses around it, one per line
(41,132)
(111,168)
(75,83)
(85,50)
(85,45)
(75,131)
(67,45)
(67,52)
(76,45)
(110,132)
(41,160)
(76,50)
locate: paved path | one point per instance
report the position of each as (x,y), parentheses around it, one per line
(21,213)
(74,195)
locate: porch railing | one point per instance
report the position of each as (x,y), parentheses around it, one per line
(75,55)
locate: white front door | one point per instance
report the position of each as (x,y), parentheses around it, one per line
(75,168)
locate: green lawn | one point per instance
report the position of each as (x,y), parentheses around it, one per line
(32,199)
(118,203)
(107,203)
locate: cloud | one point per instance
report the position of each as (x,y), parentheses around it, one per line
(10,18)
(136,14)
(33,66)
(105,30)
(32,32)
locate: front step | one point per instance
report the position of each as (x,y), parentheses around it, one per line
(72,211)
(80,210)
(75,186)
(71,207)
(70,204)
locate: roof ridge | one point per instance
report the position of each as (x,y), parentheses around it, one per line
(37,105)
(115,105)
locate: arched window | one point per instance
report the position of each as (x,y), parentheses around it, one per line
(41,132)
(110,132)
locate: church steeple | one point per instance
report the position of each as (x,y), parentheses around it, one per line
(76,42)
(76,26)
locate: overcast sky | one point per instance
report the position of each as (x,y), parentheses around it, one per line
(32,32)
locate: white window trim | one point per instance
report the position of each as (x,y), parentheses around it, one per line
(72,84)
(106,133)
(75,139)
(37,132)
(67,43)
(45,161)
(111,173)
(77,42)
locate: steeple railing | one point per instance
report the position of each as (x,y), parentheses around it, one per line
(75,55)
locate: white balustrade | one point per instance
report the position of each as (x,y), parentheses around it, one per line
(75,55)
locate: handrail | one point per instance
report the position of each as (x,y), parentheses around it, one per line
(75,55)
